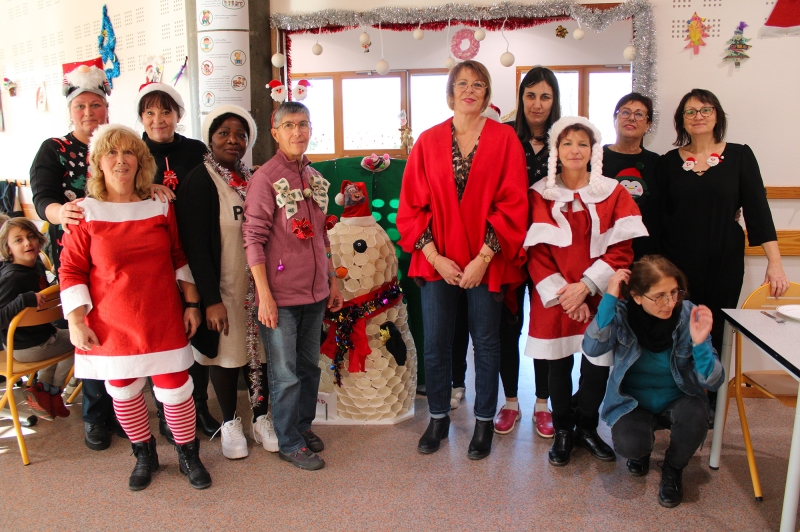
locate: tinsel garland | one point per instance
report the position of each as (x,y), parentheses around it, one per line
(491,17)
(253,359)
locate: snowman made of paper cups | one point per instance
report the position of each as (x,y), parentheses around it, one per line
(378,372)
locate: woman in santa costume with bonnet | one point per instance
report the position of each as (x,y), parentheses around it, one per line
(581,234)
(462,216)
(120,271)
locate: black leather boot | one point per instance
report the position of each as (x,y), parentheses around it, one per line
(639,467)
(481,444)
(592,442)
(438,430)
(163,428)
(562,448)
(670,494)
(205,422)
(191,466)
(146,464)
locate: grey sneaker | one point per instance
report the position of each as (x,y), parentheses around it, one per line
(304,459)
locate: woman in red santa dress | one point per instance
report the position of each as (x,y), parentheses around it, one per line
(119,267)
(581,234)
(462,215)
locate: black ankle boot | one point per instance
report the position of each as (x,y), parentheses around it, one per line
(163,428)
(670,494)
(438,430)
(639,467)
(146,464)
(205,422)
(481,444)
(561,449)
(191,466)
(592,442)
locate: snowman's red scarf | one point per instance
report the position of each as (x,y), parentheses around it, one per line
(348,327)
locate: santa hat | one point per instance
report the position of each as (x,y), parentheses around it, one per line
(492,112)
(302,89)
(220,110)
(784,19)
(103,130)
(154,86)
(597,185)
(84,76)
(630,172)
(278,90)
(360,214)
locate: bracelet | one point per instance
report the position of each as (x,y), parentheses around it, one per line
(192,304)
(434,261)
(332,274)
(428,256)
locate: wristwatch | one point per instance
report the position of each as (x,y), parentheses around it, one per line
(192,305)
(486,258)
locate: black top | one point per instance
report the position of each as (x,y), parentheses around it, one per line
(58,175)
(637,174)
(182,154)
(536,162)
(18,287)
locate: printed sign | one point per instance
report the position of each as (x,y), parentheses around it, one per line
(224,69)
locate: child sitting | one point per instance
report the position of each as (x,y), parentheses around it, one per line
(663,362)
(22,276)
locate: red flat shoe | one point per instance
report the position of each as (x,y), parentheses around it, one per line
(506,420)
(39,401)
(544,424)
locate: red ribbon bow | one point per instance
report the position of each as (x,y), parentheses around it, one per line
(302,229)
(235,181)
(170,179)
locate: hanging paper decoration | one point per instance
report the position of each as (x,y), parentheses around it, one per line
(154,68)
(107,43)
(737,46)
(479,34)
(456,44)
(382,67)
(507,58)
(180,72)
(784,19)
(365,42)
(277,90)
(317,48)
(561,31)
(301,89)
(578,34)
(10,86)
(697,30)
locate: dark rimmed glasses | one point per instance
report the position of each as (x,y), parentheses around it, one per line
(704,111)
(662,300)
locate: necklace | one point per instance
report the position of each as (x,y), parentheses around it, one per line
(464,152)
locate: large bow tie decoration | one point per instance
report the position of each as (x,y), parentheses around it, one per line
(319,189)
(287,198)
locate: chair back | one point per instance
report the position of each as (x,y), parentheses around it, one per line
(35,316)
(760,298)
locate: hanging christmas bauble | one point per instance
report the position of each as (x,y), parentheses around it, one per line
(382,67)
(507,59)
(419,34)
(578,34)
(316,49)
(480,34)
(629,53)
(364,38)
(449,63)
(278,60)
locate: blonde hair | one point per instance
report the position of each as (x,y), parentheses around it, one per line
(480,72)
(20,223)
(115,136)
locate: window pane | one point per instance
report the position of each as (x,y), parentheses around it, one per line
(428,102)
(568,88)
(605,90)
(370,107)
(319,101)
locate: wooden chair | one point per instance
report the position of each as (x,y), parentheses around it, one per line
(13,370)
(776,384)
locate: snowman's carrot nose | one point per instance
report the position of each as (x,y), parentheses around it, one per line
(341,272)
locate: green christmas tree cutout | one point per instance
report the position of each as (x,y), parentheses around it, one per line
(737,45)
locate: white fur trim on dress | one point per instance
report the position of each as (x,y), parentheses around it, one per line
(558,348)
(241,112)
(105,367)
(76,296)
(539,233)
(162,87)
(104,211)
(548,287)
(599,273)
(103,129)
(184,274)
(174,396)
(362,221)
(125,393)
(623,229)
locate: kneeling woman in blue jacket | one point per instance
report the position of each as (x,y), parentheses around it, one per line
(663,363)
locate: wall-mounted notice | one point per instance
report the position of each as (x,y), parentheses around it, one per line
(224,68)
(222,15)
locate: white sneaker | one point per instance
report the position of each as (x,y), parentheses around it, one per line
(234,444)
(456,396)
(264,433)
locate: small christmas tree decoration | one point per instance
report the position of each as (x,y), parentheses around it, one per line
(696,31)
(737,45)
(561,32)
(107,44)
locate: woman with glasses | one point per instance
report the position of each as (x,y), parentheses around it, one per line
(633,166)
(703,183)
(462,215)
(663,364)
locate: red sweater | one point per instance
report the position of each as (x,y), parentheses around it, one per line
(495,193)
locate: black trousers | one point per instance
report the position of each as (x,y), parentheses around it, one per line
(687,419)
(591,390)
(97,405)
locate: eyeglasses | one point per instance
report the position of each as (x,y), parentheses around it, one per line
(626,114)
(704,111)
(661,300)
(478,87)
(289,127)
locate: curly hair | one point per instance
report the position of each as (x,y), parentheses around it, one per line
(119,137)
(20,223)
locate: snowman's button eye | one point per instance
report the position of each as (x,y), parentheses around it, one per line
(360,246)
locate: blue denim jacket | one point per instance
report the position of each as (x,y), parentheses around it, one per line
(619,337)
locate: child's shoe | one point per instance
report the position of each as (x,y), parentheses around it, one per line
(39,401)
(57,407)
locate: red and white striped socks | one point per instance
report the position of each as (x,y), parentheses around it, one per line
(182,420)
(132,416)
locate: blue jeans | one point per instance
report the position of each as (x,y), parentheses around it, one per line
(293,363)
(439,304)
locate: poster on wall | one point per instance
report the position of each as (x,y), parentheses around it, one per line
(224,68)
(222,15)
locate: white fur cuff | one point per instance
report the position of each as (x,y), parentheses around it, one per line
(548,287)
(126,392)
(174,396)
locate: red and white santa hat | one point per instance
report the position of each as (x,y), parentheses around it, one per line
(597,185)
(155,86)
(278,90)
(492,112)
(84,76)
(241,112)
(360,214)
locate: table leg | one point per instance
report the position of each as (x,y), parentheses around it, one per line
(792,492)
(722,398)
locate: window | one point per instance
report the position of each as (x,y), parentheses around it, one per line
(428,100)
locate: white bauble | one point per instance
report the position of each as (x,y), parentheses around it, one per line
(507,59)
(629,53)
(364,38)
(278,60)
(449,63)
(578,34)
(316,49)
(382,67)
(480,34)
(419,34)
